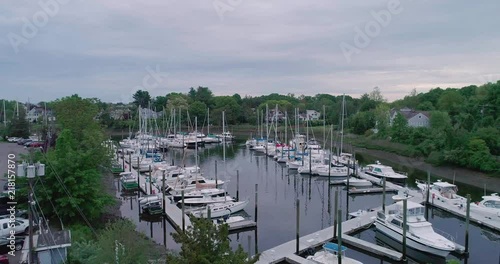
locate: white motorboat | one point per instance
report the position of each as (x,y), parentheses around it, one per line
(444,192)
(383,171)
(489,207)
(200,194)
(358,213)
(420,234)
(229,220)
(190,184)
(294,164)
(355,182)
(220,209)
(324,171)
(193,202)
(150,198)
(330,254)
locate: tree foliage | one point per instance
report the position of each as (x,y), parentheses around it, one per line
(142,98)
(207,243)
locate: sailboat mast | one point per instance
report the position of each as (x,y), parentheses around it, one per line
(286,127)
(276,128)
(342,125)
(324,127)
(196,141)
(267,121)
(208,121)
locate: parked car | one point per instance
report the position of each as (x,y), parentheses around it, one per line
(4,242)
(4,259)
(23,214)
(13,139)
(34,144)
(23,141)
(20,226)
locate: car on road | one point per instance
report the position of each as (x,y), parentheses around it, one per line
(20,226)
(13,139)
(4,259)
(35,144)
(23,141)
(4,242)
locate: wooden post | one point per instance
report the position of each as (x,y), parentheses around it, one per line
(330,170)
(183,219)
(383,195)
(138,174)
(130,162)
(427,190)
(163,191)
(150,181)
(209,213)
(348,169)
(123,160)
(405,208)
(335,208)
(237,185)
(297,230)
(216,174)
(256,200)
(339,237)
(467,219)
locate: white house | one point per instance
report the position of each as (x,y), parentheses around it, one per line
(414,118)
(312,115)
(39,112)
(148,113)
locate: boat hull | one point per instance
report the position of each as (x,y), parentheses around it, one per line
(410,241)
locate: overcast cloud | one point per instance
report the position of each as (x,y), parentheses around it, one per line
(101,48)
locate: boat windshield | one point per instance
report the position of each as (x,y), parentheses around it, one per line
(388,170)
(492,204)
(417,211)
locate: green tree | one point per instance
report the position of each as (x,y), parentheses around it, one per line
(399,129)
(198,109)
(118,239)
(207,243)
(142,98)
(227,104)
(451,100)
(439,120)
(19,126)
(479,157)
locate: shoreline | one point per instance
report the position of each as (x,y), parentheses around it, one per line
(463,175)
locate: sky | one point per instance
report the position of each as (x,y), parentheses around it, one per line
(110,48)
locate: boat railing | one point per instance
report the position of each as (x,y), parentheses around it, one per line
(446,235)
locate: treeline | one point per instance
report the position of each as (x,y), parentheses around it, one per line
(238,109)
(463,127)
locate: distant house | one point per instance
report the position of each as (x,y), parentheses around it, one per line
(273,115)
(312,115)
(150,114)
(414,118)
(37,112)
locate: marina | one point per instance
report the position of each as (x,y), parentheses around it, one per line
(285,251)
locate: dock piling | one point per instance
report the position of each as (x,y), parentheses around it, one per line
(383,195)
(130,162)
(216,182)
(467,218)
(209,213)
(339,237)
(163,190)
(427,195)
(256,200)
(297,231)
(237,185)
(183,215)
(405,208)
(335,208)
(150,180)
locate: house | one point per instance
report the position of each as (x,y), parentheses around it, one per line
(149,114)
(37,112)
(312,115)
(414,118)
(273,115)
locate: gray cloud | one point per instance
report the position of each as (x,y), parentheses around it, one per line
(102,48)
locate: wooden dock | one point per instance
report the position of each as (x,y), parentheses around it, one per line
(371,190)
(286,251)
(372,248)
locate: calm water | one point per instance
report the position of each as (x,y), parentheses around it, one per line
(278,190)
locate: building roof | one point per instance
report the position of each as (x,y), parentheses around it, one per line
(409,113)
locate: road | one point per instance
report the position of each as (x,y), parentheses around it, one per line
(5,150)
